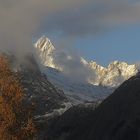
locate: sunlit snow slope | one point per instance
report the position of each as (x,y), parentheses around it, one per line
(95,87)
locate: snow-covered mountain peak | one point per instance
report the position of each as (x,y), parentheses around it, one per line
(111,76)
(120,65)
(114,74)
(45,50)
(123,68)
(45,45)
(94,65)
(118,72)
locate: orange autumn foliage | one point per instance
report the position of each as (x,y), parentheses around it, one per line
(16,121)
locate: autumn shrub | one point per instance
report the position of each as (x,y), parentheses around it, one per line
(16,119)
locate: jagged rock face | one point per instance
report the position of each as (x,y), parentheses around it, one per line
(100,73)
(112,76)
(38,89)
(117,118)
(45,49)
(115,74)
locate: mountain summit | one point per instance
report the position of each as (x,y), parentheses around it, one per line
(45,49)
(115,74)
(111,76)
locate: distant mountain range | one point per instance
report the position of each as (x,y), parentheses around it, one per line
(72,105)
(99,81)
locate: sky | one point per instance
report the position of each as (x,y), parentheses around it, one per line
(117,44)
(122,44)
(101,30)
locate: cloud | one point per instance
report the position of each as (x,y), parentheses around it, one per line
(93,17)
(72,66)
(22,19)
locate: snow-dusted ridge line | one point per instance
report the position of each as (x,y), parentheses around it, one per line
(111,76)
(115,74)
(96,87)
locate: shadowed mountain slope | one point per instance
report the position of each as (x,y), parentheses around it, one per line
(117,118)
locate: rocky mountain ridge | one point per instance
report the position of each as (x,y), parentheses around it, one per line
(111,76)
(115,73)
(49,100)
(116,118)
